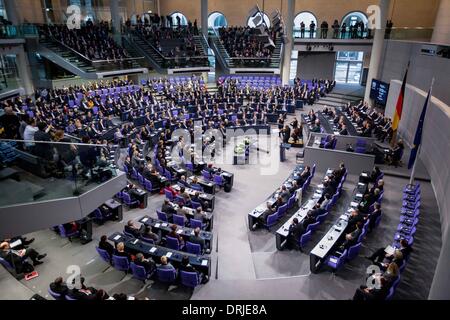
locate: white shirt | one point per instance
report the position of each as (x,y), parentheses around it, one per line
(28,134)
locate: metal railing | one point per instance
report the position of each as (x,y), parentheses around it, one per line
(14,32)
(173,62)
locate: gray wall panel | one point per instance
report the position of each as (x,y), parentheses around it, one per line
(318,65)
(435,155)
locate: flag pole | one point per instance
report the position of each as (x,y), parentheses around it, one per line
(413,172)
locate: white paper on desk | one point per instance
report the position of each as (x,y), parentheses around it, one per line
(179,231)
(168,254)
(354,204)
(164,224)
(204,262)
(361,184)
(359,195)
(320,186)
(145,220)
(135,241)
(364,174)
(16,243)
(389,250)
(153,249)
(157,225)
(333,259)
(117,237)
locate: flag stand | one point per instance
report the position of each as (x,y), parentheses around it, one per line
(413,172)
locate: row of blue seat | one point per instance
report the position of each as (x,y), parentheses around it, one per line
(409,218)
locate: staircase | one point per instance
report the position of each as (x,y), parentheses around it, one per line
(230,64)
(81,66)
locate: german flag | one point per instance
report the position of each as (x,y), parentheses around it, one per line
(399,108)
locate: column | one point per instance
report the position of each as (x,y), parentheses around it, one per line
(24,71)
(441,32)
(11,12)
(377,48)
(115,16)
(204,17)
(287,50)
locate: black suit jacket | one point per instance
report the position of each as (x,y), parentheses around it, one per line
(197,240)
(296,230)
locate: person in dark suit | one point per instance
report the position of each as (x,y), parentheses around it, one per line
(286,134)
(168,210)
(355,217)
(150,235)
(380,255)
(59,286)
(105,245)
(195,238)
(303,176)
(343,131)
(148,264)
(173,234)
(132,229)
(376,213)
(278,203)
(317,210)
(352,237)
(43,150)
(284,194)
(309,219)
(375,174)
(364,293)
(269,210)
(296,229)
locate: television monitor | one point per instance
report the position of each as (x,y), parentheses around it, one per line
(379,91)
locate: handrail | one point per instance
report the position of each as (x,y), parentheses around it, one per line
(86,58)
(160,54)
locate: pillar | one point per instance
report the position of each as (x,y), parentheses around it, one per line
(204,17)
(287,51)
(441,31)
(115,16)
(24,71)
(11,12)
(377,48)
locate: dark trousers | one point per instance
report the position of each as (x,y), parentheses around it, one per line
(378,255)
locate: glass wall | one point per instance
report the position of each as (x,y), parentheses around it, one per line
(306,17)
(217,20)
(182,17)
(8,73)
(348,67)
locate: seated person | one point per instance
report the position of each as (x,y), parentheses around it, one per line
(133,230)
(355,217)
(296,229)
(173,234)
(187,267)
(17,258)
(284,194)
(330,143)
(269,210)
(186,197)
(148,264)
(375,174)
(309,219)
(196,198)
(195,238)
(317,210)
(202,216)
(59,286)
(374,216)
(83,292)
(382,259)
(168,209)
(343,131)
(165,264)
(105,245)
(325,202)
(120,251)
(149,234)
(352,237)
(278,203)
(303,176)
(365,293)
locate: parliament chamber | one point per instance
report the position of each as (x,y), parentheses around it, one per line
(224,150)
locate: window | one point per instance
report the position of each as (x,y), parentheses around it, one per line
(353,17)
(257,19)
(306,17)
(348,67)
(183,19)
(2,10)
(217,20)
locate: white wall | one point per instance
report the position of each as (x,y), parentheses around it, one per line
(435,154)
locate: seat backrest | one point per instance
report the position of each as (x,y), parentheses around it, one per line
(138,271)
(196,223)
(6,264)
(166,275)
(195,204)
(194,248)
(189,279)
(179,220)
(173,243)
(55,295)
(121,263)
(272,219)
(305,238)
(162,215)
(218,179)
(311,227)
(104,254)
(353,251)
